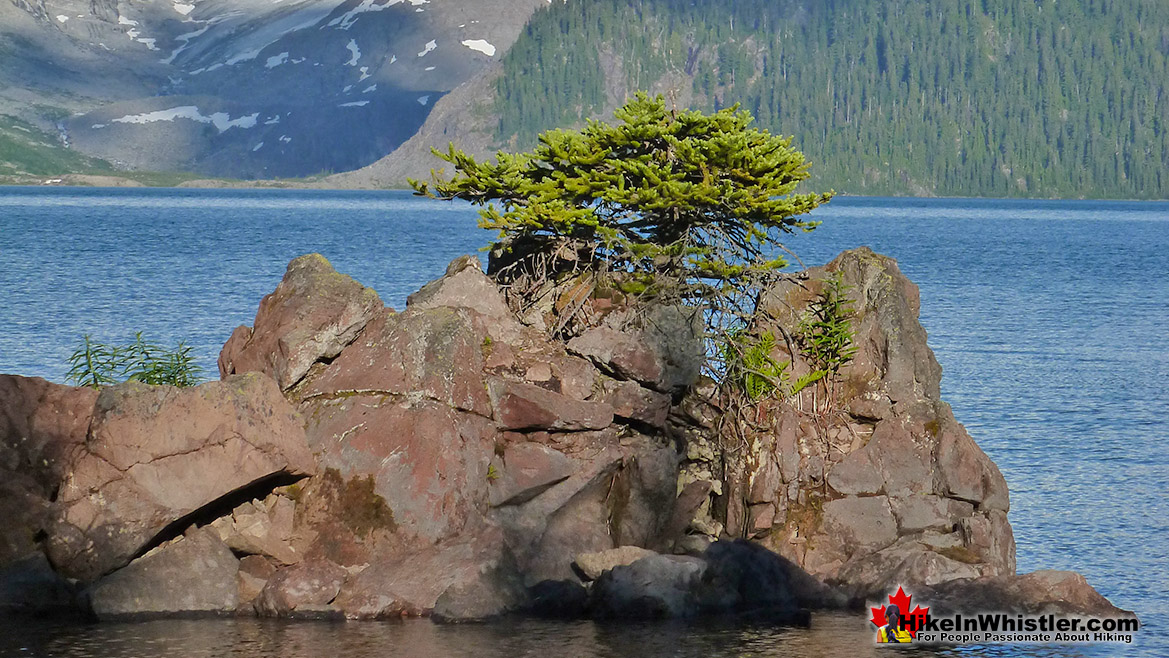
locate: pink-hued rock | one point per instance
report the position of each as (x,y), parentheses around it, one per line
(885,480)
(156,454)
(906,562)
(261,527)
(620,352)
(435,353)
(254,572)
(634,402)
(525,471)
(966,473)
(853,525)
(41,423)
(428,461)
(411,585)
(524,406)
(663,351)
(313,314)
(310,583)
(466,286)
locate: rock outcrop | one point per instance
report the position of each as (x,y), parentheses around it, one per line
(452,460)
(311,316)
(482,453)
(864,479)
(41,423)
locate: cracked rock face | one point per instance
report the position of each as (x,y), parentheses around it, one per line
(883,486)
(156,454)
(311,316)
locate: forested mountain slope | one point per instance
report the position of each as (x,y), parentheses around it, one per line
(984,98)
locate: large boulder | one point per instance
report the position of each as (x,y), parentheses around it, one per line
(193,573)
(1039,592)
(653,587)
(305,587)
(157,455)
(312,315)
(41,423)
(427,460)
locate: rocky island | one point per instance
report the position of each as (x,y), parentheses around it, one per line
(451,460)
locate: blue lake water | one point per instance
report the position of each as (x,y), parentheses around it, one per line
(1050,320)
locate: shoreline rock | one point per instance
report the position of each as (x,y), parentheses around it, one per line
(450,460)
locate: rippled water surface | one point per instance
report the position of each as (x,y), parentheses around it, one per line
(1050,320)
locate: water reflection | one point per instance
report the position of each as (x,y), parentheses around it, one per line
(831,636)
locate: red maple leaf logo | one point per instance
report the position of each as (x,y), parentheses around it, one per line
(911,621)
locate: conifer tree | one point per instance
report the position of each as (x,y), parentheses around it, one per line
(666,205)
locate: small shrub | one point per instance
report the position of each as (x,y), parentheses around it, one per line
(97,364)
(826,335)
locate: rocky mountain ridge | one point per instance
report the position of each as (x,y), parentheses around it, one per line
(243,89)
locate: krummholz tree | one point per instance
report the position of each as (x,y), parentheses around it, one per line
(666,206)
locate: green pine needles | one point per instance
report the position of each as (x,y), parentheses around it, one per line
(97,364)
(666,204)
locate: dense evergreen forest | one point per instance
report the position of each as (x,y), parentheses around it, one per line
(970,98)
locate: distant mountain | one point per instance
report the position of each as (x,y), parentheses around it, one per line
(240,88)
(1042,98)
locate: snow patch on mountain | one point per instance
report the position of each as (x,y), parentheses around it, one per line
(481,45)
(346,20)
(221,120)
(186,41)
